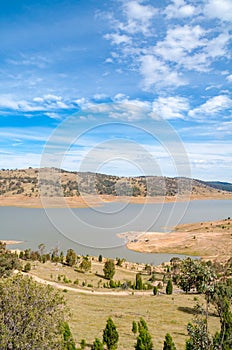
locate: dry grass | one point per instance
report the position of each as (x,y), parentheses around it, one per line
(50,271)
(89,312)
(162,313)
(208,239)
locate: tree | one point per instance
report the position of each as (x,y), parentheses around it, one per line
(109,269)
(100,258)
(134,327)
(71,257)
(221,297)
(110,335)
(195,274)
(199,338)
(97,345)
(155,290)
(83,344)
(69,343)
(169,287)
(8,261)
(85,265)
(138,282)
(144,341)
(27,267)
(31,315)
(168,343)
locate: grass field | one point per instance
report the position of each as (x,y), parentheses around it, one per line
(89,312)
(162,313)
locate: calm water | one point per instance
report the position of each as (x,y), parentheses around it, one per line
(94,231)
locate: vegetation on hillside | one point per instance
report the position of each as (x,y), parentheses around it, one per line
(55,183)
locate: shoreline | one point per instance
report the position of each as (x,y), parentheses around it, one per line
(95,201)
(10,242)
(210,240)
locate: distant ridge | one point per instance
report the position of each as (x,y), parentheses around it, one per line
(59,182)
(224,186)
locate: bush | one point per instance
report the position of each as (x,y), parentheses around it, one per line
(31,315)
(27,267)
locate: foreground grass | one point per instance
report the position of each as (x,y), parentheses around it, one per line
(89,312)
(162,313)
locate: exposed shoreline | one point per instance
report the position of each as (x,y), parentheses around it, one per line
(205,239)
(94,201)
(9,242)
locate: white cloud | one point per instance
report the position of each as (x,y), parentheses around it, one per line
(122,108)
(229,78)
(50,97)
(180,9)
(190,47)
(45,103)
(212,107)
(221,9)
(139,16)
(156,72)
(171,107)
(118,39)
(216,47)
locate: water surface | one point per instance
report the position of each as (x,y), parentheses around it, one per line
(94,231)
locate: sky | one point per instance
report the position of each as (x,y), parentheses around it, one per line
(124,87)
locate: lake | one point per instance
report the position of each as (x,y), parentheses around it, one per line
(94,231)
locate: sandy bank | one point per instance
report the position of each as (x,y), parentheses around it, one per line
(93,201)
(7,242)
(208,239)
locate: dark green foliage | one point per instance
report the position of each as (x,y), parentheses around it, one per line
(100,258)
(138,282)
(134,327)
(168,343)
(8,261)
(110,335)
(97,345)
(155,290)
(31,315)
(27,267)
(109,269)
(169,287)
(144,341)
(83,344)
(69,343)
(71,257)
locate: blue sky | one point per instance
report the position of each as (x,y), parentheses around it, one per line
(132,62)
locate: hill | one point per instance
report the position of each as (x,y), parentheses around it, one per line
(50,182)
(224,186)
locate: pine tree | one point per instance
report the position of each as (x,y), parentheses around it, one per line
(110,335)
(134,327)
(168,343)
(97,345)
(169,287)
(69,343)
(138,282)
(144,341)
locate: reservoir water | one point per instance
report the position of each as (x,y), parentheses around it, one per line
(94,231)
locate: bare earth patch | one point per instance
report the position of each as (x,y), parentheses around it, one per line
(207,239)
(97,200)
